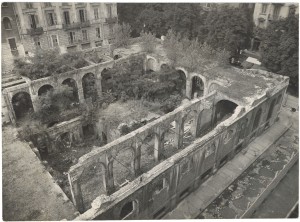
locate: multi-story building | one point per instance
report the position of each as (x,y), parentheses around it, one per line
(266,12)
(11,45)
(68,26)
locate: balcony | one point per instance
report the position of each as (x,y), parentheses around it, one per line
(77,25)
(111,20)
(35,31)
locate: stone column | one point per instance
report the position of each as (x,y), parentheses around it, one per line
(35,102)
(99,85)
(76,194)
(80,90)
(109,176)
(179,130)
(137,158)
(188,88)
(158,144)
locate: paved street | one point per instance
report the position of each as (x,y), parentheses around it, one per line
(29,192)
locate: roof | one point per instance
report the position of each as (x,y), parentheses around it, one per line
(242,84)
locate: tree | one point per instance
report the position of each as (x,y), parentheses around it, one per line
(279,47)
(192,54)
(228,28)
(148,41)
(158,18)
(122,34)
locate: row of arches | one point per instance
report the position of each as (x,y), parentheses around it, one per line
(22,103)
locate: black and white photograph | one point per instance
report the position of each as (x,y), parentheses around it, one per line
(149,110)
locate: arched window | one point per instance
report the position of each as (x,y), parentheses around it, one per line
(7,23)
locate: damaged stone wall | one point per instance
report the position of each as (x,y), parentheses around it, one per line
(157,191)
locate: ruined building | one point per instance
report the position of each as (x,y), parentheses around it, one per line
(227,109)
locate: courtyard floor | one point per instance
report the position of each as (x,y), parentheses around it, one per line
(29,192)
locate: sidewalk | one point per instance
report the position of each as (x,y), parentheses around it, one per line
(190,207)
(29,192)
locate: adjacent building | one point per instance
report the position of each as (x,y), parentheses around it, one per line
(69,26)
(10,38)
(264,13)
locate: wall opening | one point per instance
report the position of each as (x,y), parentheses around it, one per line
(164,67)
(43,90)
(89,86)
(92,181)
(256,119)
(127,209)
(197,87)
(224,110)
(72,84)
(88,131)
(150,65)
(271,109)
(22,105)
(181,82)
(64,141)
(123,167)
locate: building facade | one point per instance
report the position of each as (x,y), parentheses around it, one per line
(11,44)
(266,12)
(68,26)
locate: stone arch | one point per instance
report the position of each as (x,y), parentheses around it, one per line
(89,86)
(128,209)
(150,66)
(197,87)
(45,89)
(70,82)
(7,23)
(256,119)
(223,110)
(271,109)
(123,166)
(92,182)
(22,104)
(164,67)
(213,86)
(181,83)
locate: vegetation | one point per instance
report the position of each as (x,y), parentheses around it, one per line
(228,28)
(148,41)
(122,35)
(192,54)
(56,105)
(159,18)
(280,45)
(49,62)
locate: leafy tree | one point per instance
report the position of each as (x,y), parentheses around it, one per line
(122,34)
(280,45)
(192,54)
(149,42)
(49,62)
(158,18)
(228,28)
